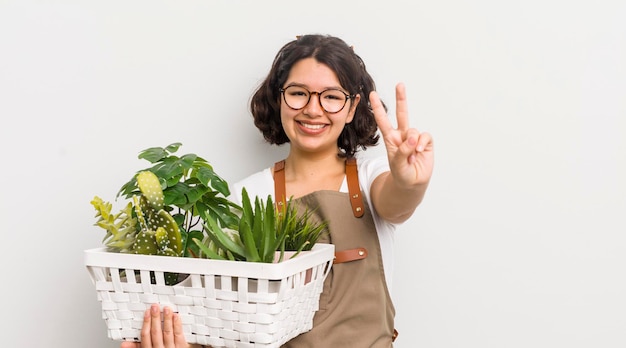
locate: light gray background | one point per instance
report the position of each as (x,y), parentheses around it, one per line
(519,242)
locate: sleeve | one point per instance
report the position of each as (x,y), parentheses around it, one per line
(369,170)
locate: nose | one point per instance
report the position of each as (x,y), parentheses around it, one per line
(314,108)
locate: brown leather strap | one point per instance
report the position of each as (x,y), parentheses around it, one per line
(350,255)
(354,190)
(395,335)
(279,185)
(352,177)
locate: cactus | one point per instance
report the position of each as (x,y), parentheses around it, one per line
(150,187)
(160,234)
(146,243)
(150,230)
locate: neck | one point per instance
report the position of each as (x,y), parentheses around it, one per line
(299,167)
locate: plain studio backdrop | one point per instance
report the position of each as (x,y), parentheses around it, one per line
(520,241)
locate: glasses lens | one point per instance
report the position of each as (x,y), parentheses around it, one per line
(296,97)
(333,100)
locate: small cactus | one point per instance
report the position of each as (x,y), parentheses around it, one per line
(146,243)
(159,229)
(150,187)
(160,234)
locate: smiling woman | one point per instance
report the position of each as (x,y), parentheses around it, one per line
(522,228)
(329,111)
(319,98)
(314,127)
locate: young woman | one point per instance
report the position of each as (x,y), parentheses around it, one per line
(319,98)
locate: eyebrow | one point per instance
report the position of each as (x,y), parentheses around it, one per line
(339,88)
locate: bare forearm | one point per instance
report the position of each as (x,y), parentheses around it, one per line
(394,203)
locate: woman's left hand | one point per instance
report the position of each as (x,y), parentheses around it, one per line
(410,153)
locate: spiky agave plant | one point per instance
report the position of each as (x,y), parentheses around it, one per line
(263,230)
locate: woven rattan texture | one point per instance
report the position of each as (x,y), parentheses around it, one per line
(216,310)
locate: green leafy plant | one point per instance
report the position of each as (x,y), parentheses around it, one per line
(191,193)
(263,230)
(179,207)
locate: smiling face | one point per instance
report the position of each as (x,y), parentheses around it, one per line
(311,129)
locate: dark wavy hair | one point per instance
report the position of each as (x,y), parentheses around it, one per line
(350,69)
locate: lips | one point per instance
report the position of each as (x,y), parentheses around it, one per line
(312,127)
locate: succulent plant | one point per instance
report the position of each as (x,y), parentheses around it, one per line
(143,227)
(160,233)
(121,227)
(263,230)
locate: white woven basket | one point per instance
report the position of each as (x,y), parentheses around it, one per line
(221,303)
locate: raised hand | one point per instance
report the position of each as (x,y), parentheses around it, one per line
(410,153)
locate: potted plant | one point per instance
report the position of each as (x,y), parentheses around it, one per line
(262,232)
(179,224)
(185,189)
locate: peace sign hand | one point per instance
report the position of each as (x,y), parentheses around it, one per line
(410,153)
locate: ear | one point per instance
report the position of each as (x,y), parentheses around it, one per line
(354,103)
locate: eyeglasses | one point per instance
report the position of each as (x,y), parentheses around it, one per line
(331,100)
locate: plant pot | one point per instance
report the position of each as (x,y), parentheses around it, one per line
(221,303)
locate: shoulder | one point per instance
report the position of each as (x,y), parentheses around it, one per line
(259,184)
(370,168)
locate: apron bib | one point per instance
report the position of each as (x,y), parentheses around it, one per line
(355,309)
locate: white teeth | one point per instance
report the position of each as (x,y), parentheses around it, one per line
(313,126)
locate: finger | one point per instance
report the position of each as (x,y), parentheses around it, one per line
(168,330)
(145,329)
(130,345)
(156,333)
(409,146)
(380,115)
(402,109)
(179,336)
(425,142)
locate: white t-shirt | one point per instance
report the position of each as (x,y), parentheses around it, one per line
(261,184)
